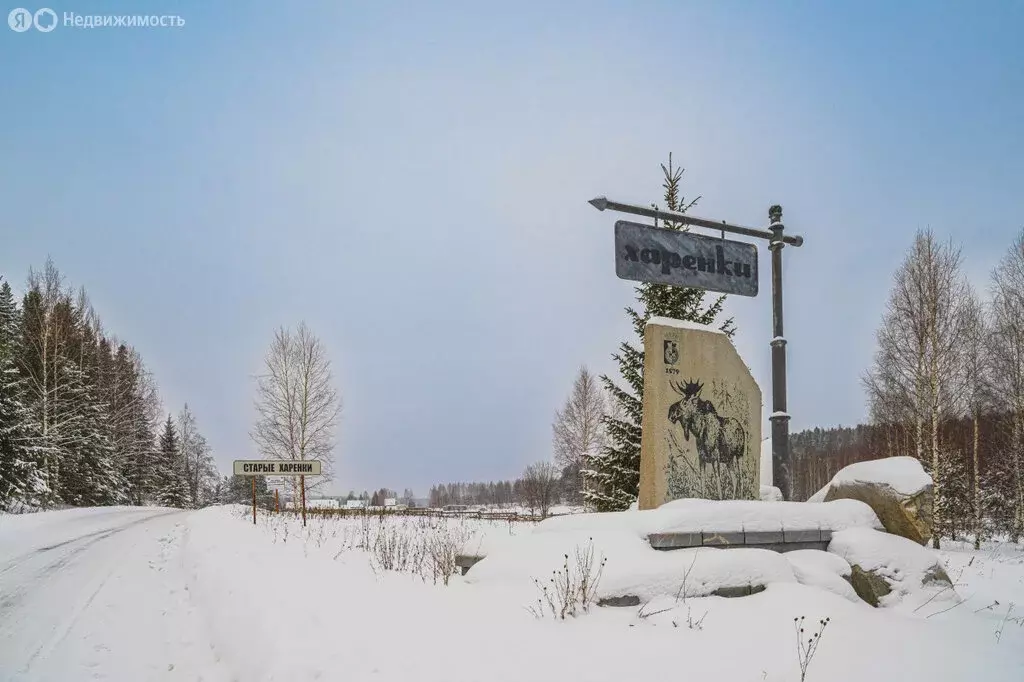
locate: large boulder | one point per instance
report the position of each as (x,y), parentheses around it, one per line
(896,488)
(887,568)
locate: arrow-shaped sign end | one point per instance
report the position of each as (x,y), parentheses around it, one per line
(600,203)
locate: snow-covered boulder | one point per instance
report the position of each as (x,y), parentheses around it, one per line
(770,493)
(887,568)
(824,570)
(896,488)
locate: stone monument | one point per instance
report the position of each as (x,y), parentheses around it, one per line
(701,417)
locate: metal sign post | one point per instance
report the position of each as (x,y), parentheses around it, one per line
(278,467)
(674,261)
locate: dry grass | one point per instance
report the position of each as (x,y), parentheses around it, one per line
(416,544)
(573,589)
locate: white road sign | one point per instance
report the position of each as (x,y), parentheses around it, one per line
(276,467)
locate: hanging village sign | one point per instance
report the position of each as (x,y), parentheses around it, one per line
(683,259)
(650,254)
(278,467)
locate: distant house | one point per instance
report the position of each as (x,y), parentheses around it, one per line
(355,504)
(325,503)
(390,502)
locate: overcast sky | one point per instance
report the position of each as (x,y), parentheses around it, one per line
(411,179)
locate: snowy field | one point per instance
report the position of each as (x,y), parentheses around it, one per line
(130,594)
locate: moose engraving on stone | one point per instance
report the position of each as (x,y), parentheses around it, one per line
(708,442)
(719,439)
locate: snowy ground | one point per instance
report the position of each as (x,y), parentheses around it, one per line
(98,594)
(126,594)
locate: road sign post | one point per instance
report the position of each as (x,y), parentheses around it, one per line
(682,259)
(302,486)
(278,467)
(782,469)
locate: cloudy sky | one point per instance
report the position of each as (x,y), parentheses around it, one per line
(411,179)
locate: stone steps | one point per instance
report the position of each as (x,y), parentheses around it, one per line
(774,540)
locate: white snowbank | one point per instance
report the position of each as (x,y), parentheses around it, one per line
(694,572)
(634,568)
(905,475)
(631,566)
(770,493)
(691,515)
(683,324)
(823,570)
(816,560)
(747,515)
(820,495)
(905,564)
(451,634)
(481,541)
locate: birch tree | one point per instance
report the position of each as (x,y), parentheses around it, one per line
(200,470)
(297,405)
(578,431)
(1008,364)
(914,379)
(976,366)
(45,339)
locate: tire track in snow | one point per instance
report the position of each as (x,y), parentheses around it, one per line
(29,578)
(63,629)
(10,598)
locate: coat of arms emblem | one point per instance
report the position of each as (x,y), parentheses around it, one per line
(671,352)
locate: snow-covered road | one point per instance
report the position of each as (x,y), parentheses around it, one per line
(98,594)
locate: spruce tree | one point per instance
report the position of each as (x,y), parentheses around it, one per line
(97,473)
(614,472)
(90,475)
(172,489)
(20,479)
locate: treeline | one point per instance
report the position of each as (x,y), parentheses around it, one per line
(377,498)
(946,386)
(820,453)
(81,421)
(490,493)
